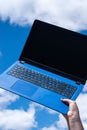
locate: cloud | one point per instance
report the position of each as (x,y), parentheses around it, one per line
(50,128)
(18,119)
(81,101)
(6,98)
(70,14)
(57,125)
(85,88)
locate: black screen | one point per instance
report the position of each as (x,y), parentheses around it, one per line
(57,49)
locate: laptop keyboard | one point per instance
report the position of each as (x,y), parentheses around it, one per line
(42,80)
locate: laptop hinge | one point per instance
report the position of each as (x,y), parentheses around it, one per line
(78,82)
(22,62)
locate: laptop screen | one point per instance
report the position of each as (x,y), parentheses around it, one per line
(58,49)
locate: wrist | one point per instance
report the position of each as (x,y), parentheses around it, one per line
(75,123)
(74,120)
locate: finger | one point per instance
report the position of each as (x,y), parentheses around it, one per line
(72,104)
(67,101)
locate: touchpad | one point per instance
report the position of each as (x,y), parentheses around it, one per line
(24,88)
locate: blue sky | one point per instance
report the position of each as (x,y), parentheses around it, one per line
(16,17)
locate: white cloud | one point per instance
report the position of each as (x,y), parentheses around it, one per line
(81,101)
(18,119)
(50,128)
(68,13)
(57,125)
(85,87)
(15,119)
(6,98)
(61,124)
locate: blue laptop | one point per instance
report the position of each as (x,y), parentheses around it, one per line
(52,65)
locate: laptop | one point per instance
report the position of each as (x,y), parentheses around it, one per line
(51,66)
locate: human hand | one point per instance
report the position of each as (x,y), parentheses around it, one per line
(73,117)
(73,112)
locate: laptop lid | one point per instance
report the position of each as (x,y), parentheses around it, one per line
(57,50)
